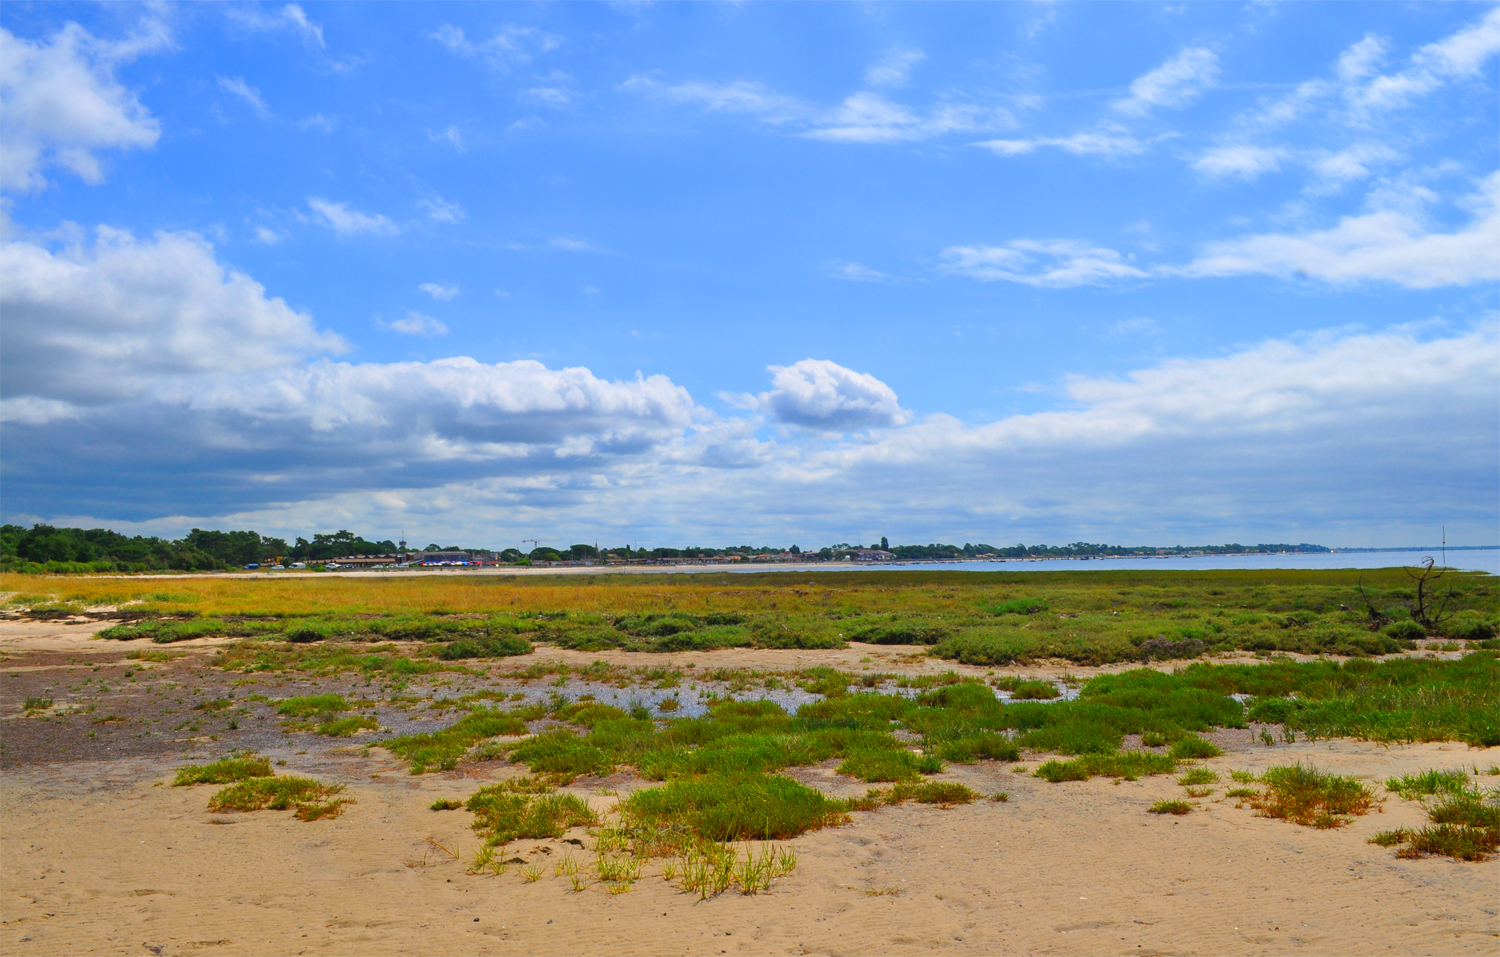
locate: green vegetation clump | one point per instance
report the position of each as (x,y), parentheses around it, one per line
(735,807)
(312,705)
(503,814)
(226,770)
(1129,765)
(1192,746)
(932,792)
(1427,783)
(1170,807)
(1304,795)
(1034,691)
(487,646)
(442,749)
(311,799)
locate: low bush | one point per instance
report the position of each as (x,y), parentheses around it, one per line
(486,646)
(1034,691)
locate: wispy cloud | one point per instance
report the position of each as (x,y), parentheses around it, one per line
(416,324)
(450,136)
(246,92)
(855,272)
(290,17)
(571,244)
(318,122)
(1173,85)
(510,46)
(437,291)
(894,67)
(1049,263)
(347,221)
(440,210)
(268,236)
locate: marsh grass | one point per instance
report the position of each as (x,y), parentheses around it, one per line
(945,793)
(310,799)
(1465,819)
(1302,794)
(1129,765)
(226,770)
(502,814)
(734,807)
(346,727)
(442,749)
(1035,691)
(37,704)
(1413,786)
(1192,747)
(1197,776)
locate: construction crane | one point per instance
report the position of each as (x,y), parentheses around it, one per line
(535,541)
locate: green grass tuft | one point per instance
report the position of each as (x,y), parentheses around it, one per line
(442,749)
(311,799)
(1192,747)
(236,767)
(734,808)
(1170,807)
(932,792)
(1304,795)
(1414,786)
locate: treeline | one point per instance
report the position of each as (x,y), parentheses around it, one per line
(45,548)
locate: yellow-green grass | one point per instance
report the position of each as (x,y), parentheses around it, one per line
(979,618)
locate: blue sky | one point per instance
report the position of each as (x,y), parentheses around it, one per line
(773,272)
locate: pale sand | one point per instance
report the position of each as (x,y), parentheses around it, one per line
(99,857)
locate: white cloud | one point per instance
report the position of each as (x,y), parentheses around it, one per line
(1244,161)
(1384,245)
(1361,59)
(1049,263)
(318,121)
(862,117)
(868,117)
(125,317)
(1174,84)
(737,97)
(855,272)
(894,67)
(268,236)
(826,397)
(417,324)
(60,104)
(1108,140)
(346,221)
(1456,57)
(450,136)
(437,291)
(290,17)
(246,92)
(509,47)
(553,92)
(571,245)
(439,210)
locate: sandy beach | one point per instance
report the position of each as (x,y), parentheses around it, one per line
(99,855)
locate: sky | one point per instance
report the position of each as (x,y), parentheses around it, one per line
(671,274)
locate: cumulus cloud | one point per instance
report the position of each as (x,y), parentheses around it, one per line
(246,92)
(416,324)
(824,396)
(1384,245)
(1050,263)
(124,317)
(60,104)
(511,45)
(347,221)
(439,291)
(1174,84)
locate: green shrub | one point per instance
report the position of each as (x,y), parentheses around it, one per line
(1035,690)
(1304,795)
(1404,630)
(734,807)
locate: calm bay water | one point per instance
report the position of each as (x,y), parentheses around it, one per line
(1483,560)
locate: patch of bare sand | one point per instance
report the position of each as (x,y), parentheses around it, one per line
(94,859)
